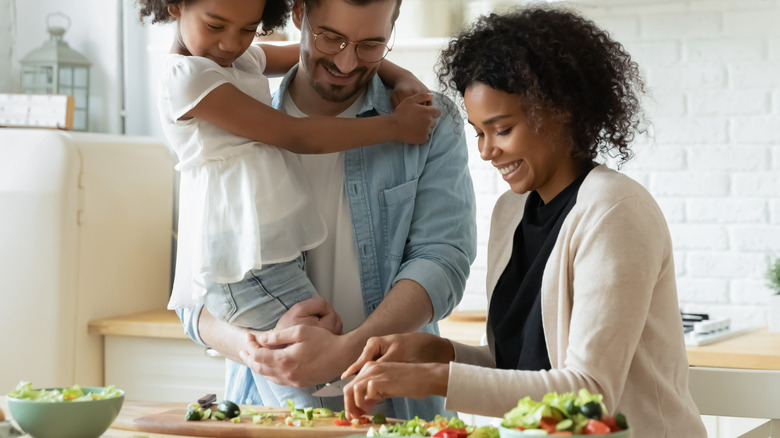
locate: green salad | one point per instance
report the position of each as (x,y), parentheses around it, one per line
(24,391)
(565,414)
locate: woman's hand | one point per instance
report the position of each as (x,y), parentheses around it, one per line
(414,119)
(380,380)
(406,347)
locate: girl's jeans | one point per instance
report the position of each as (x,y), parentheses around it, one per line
(257,302)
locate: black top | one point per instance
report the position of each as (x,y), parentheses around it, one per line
(515,313)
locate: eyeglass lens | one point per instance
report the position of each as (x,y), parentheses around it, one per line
(331,43)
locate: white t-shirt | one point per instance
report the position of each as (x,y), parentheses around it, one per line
(333,266)
(242,204)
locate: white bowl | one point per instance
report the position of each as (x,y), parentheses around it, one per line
(505,432)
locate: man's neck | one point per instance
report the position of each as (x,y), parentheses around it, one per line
(310,102)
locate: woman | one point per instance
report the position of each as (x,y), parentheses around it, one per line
(581,278)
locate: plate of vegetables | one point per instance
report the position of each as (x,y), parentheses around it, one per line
(568,414)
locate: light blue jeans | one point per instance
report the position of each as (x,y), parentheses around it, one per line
(257,302)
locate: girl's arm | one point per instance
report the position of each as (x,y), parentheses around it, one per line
(281,58)
(230,109)
(402,81)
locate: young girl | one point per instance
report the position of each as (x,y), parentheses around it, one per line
(245,215)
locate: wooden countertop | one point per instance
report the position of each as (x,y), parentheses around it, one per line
(466,326)
(755,350)
(161,323)
(758,349)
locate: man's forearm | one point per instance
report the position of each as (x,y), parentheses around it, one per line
(405,308)
(226,338)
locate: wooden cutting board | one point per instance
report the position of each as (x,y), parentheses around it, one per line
(168,418)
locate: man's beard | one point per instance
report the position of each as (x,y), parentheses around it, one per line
(336,93)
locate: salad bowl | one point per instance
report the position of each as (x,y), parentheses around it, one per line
(86,416)
(505,432)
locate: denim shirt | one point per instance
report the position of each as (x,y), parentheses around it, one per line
(413,215)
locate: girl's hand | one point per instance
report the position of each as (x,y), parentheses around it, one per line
(406,347)
(407,86)
(380,380)
(414,119)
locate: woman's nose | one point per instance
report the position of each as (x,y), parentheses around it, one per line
(488,151)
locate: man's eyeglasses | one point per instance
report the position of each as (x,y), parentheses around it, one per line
(331,43)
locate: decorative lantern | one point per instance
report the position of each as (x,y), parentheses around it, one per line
(55,68)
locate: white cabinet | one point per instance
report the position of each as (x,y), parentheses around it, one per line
(162,369)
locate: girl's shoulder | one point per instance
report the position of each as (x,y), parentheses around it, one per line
(253,60)
(181,67)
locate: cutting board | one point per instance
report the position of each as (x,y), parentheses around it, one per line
(170,420)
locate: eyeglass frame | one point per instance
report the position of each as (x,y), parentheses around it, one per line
(346,42)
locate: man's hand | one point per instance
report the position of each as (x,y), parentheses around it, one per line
(300,356)
(314,312)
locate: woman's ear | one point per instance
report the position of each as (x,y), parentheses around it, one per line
(297,13)
(174,10)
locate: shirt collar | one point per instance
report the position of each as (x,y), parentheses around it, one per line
(377,101)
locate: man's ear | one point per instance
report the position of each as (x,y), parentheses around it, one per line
(174,10)
(297,13)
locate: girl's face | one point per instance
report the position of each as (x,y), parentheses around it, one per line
(527,158)
(220,30)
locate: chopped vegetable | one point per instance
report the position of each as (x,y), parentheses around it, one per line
(74,393)
(193,415)
(229,409)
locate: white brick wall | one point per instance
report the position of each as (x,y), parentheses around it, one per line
(713,164)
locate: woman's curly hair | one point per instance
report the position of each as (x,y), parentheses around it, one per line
(555,60)
(275,14)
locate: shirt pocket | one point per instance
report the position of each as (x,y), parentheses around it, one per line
(397,210)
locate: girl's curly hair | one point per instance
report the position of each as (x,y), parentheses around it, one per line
(556,60)
(275,14)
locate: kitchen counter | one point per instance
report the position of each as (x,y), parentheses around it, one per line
(757,349)
(464,326)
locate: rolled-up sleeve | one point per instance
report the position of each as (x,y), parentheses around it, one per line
(442,238)
(189,317)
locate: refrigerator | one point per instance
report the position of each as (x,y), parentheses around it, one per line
(86,226)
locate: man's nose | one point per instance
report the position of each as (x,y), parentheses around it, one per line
(346,60)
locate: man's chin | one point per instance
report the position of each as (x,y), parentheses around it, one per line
(337,93)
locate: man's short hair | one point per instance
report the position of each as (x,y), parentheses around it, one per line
(314,3)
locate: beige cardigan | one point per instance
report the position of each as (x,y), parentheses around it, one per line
(609,310)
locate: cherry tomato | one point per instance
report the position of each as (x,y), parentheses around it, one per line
(610,422)
(341,422)
(452,432)
(595,427)
(548,424)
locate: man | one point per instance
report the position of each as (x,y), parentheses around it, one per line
(401,218)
